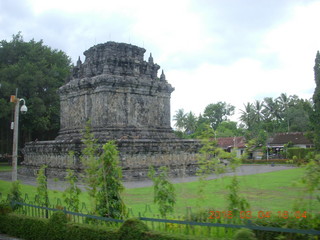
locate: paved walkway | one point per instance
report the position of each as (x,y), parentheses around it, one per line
(61,185)
(6,237)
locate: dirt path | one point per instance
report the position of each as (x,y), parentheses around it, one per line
(61,185)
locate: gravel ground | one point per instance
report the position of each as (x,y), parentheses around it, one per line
(61,185)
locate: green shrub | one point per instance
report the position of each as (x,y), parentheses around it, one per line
(199,216)
(244,234)
(132,229)
(24,227)
(15,195)
(57,226)
(5,208)
(89,232)
(300,153)
(293,223)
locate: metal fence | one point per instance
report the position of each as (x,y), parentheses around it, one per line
(217,229)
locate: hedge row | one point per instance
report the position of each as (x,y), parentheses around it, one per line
(57,228)
(300,153)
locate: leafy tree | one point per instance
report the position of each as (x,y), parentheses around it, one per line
(103,176)
(42,187)
(109,200)
(236,203)
(209,160)
(311,178)
(164,192)
(72,192)
(228,129)
(89,160)
(217,113)
(316,101)
(37,71)
(15,195)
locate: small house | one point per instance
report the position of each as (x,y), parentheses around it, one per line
(232,144)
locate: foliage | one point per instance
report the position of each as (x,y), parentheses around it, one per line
(300,153)
(42,188)
(236,203)
(5,208)
(89,160)
(283,114)
(15,195)
(316,100)
(217,113)
(37,71)
(109,200)
(311,178)
(72,192)
(210,160)
(53,229)
(164,192)
(228,129)
(57,226)
(103,176)
(310,222)
(132,229)
(244,234)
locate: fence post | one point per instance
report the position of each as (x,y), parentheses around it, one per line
(47,197)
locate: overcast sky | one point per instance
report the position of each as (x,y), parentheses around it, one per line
(235,51)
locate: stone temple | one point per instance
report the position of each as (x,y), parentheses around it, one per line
(125,100)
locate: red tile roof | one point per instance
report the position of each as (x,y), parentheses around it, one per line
(231,142)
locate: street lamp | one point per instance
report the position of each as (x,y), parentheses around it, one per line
(23,110)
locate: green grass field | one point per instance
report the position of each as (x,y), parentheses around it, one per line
(274,191)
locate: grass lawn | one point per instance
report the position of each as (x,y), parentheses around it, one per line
(274,191)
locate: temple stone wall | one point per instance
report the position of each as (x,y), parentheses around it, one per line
(135,157)
(125,100)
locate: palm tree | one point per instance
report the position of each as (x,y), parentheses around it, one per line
(247,115)
(257,108)
(190,122)
(284,101)
(180,119)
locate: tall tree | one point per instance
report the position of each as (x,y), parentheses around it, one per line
(37,71)
(316,101)
(247,115)
(284,104)
(217,113)
(190,122)
(180,118)
(258,114)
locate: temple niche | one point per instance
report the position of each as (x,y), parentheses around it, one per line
(125,100)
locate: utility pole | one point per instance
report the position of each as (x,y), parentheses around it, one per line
(15,138)
(24,109)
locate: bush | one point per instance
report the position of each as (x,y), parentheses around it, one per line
(244,234)
(300,153)
(57,226)
(15,195)
(30,228)
(199,216)
(132,229)
(293,223)
(5,208)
